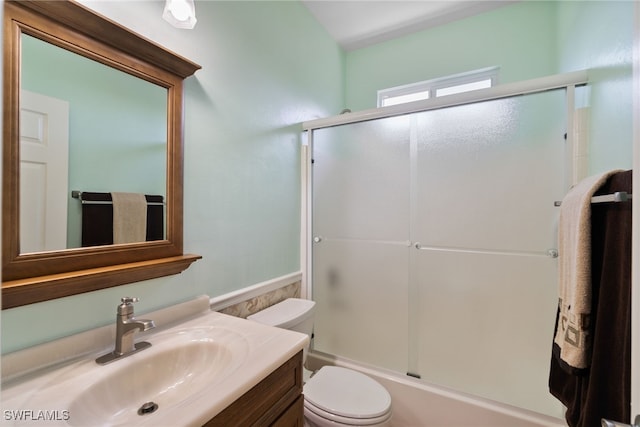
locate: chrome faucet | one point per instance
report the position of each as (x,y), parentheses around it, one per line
(126,327)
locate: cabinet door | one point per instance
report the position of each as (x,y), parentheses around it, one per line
(293,416)
(265,403)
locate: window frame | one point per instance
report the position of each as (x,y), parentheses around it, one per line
(432,86)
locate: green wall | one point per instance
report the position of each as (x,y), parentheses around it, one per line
(519,38)
(266,66)
(586,41)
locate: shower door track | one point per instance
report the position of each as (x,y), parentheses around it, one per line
(542,84)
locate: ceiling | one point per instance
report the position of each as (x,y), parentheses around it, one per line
(359,23)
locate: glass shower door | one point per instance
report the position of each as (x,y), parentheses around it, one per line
(434,236)
(361,233)
(486,178)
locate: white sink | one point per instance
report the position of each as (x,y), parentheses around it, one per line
(189,374)
(184,365)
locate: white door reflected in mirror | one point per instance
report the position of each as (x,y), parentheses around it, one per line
(44,159)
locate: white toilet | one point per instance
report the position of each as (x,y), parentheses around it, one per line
(333,396)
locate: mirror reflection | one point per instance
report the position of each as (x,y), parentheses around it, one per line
(95,130)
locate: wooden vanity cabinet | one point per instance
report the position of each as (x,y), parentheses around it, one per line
(275,401)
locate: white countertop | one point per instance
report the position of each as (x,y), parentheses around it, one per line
(257,350)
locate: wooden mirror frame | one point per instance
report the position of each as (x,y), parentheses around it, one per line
(35,277)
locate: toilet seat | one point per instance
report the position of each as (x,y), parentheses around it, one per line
(346,396)
(316,414)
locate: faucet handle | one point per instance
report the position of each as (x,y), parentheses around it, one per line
(129,300)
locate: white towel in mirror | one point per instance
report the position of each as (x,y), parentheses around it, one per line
(129,217)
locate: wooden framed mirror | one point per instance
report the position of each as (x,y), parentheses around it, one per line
(34,30)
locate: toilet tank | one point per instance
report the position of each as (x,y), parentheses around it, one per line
(294,314)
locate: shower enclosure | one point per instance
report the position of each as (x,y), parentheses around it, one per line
(432,236)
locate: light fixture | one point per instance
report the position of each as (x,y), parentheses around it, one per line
(180,13)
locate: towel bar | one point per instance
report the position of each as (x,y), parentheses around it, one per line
(618,196)
(78,195)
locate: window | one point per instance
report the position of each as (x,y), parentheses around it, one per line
(458,83)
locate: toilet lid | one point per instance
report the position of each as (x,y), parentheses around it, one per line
(347,393)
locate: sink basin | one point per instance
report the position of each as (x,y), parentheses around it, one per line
(179,365)
(191,372)
(159,380)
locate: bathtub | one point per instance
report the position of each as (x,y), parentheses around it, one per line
(416,404)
